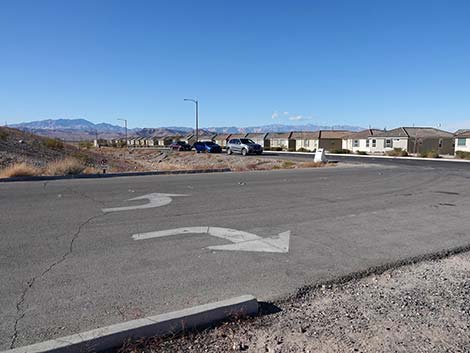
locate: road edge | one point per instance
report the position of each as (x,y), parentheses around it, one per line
(113,175)
(105,338)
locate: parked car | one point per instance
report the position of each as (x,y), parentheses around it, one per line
(207,146)
(243,146)
(180,146)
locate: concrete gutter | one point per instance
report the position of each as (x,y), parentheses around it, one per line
(113,175)
(114,336)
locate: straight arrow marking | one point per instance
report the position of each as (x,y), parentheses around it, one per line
(241,241)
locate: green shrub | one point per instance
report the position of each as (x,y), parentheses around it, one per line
(341,151)
(291,149)
(301,149)
(362,153)
(397,152)
(462,155)
(53,144)
(276,148)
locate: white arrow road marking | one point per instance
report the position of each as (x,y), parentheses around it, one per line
(242,241)
(155,200)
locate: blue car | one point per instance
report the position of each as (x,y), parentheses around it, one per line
(207,146)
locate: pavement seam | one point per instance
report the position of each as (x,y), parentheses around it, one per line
(20,313)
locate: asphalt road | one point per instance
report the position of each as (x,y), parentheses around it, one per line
(66,266)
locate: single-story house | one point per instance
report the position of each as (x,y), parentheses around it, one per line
(281,140)
(161,141)
(306,140)
(331,140)
(360,141)
(259,138)
(414,140)
(221,139)
(462,141)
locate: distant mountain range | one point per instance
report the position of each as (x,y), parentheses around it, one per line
(82,129)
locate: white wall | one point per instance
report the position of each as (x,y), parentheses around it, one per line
(308,144)
(349,145)
(465,148)
(397,142)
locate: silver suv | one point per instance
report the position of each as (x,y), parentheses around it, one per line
(243,146)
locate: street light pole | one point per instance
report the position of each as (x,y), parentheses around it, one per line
(125,125)
(195,101)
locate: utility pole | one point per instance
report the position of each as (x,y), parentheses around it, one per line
(195,101)
(125,125)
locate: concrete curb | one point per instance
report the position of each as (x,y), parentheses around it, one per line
(114,175)
(372,156)
(114,336)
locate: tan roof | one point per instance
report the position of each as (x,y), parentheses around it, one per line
(419,132)
(333,134)
(305,135)
(256,135)
(462,133)
(238,136)
(363,134)
(279,135)
(222,136)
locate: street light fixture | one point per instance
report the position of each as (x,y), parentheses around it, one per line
(195,101)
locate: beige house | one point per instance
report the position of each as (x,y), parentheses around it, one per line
(281,140)
(331,140)
(413,140)
(306,140)
(360,141)
(462,141)
(259,138)
(222,139)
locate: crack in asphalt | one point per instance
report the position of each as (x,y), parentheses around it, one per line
(20,313)
(85,196)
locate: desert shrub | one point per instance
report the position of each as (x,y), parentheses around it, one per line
(291,149)
(67,166)
(301,149)
(397,152)
(462,154)
(311,164)
(341,151)
(267,148)
(19,170)
(433,154)
(287,164)
(361,153)
(3,135)
(84,159)
(85,144)
(53,144)
(276,148)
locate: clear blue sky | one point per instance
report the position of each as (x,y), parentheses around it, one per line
(378,62)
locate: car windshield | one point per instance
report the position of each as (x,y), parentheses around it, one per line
(247,141)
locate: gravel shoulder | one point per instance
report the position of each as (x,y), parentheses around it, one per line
(423,307)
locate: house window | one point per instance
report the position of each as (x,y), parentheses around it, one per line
(367,143)
(356,143)
(306,143)
(374,143)
(461,142)
(388,143)
(440,143)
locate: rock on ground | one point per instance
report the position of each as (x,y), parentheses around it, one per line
(417,308)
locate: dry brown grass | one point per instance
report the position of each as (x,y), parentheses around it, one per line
(19,170)
(67,166)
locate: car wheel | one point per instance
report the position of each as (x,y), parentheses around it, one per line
(229,151)
(244,152)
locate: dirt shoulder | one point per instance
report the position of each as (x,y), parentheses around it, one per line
(416,308)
